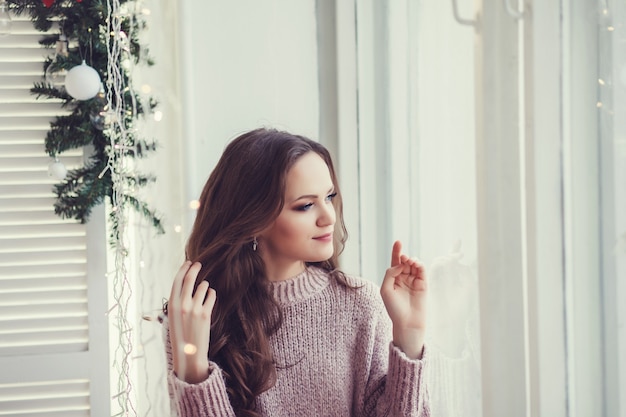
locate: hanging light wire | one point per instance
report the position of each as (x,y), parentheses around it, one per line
(119,165)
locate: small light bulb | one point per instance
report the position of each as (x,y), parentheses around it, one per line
(158,116)
(178,228)
(194,204)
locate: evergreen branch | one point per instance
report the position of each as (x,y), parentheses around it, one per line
(143,209)
(143,147)
(49,40)
(139,180)
(81,191)
(45,89)
(85,24)
(70,132)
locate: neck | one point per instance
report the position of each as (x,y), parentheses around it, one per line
(283,272)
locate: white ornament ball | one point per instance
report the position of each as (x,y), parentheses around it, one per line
(82,82)
(57,170)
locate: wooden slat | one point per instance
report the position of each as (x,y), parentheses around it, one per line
(26,204)
(70,228)
(33,163)
(42,108)
(23,95)
(21,54)
(21,136)
(30,41)
(21,68)
(42,271)
(40,123)
(44,258)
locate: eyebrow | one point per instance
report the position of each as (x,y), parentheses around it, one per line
(312,195)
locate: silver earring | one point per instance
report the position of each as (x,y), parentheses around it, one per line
(255,244)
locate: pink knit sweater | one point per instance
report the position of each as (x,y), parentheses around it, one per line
(344,363)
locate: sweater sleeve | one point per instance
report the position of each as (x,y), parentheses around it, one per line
(396,385)
(205,399)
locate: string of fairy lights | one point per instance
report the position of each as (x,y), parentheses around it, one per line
(118,164)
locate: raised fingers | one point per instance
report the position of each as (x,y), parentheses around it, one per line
(417,268)
(178,281)
(200,294)
(189,281)
(390,277)
(204,297)
(209,302)
(396,251)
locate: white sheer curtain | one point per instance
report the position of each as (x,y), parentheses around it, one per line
(610,17)
(417,177)
(444,97)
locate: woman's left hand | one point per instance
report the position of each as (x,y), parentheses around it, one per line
(404,293)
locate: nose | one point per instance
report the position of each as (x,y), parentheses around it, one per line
(327,215)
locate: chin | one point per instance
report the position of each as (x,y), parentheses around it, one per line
(322,257)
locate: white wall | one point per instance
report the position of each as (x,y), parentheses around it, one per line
(244,64)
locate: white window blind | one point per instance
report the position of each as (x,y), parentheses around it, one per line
(46,357)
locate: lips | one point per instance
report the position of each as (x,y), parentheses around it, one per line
(326,236)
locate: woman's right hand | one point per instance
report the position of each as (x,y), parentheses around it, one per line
(189,316)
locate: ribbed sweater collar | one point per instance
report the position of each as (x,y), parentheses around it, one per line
(304,285)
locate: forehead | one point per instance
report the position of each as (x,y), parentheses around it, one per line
(307,175)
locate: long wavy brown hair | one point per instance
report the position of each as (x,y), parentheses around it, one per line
(243,196)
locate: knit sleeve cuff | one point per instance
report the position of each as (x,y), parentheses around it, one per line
(406,382)
(207,398)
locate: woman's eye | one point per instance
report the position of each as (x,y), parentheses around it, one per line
(305,207)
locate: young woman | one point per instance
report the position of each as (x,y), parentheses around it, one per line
(262,323)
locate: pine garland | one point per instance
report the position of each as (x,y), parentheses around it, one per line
(84,24)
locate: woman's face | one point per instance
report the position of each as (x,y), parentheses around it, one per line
(303,231)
